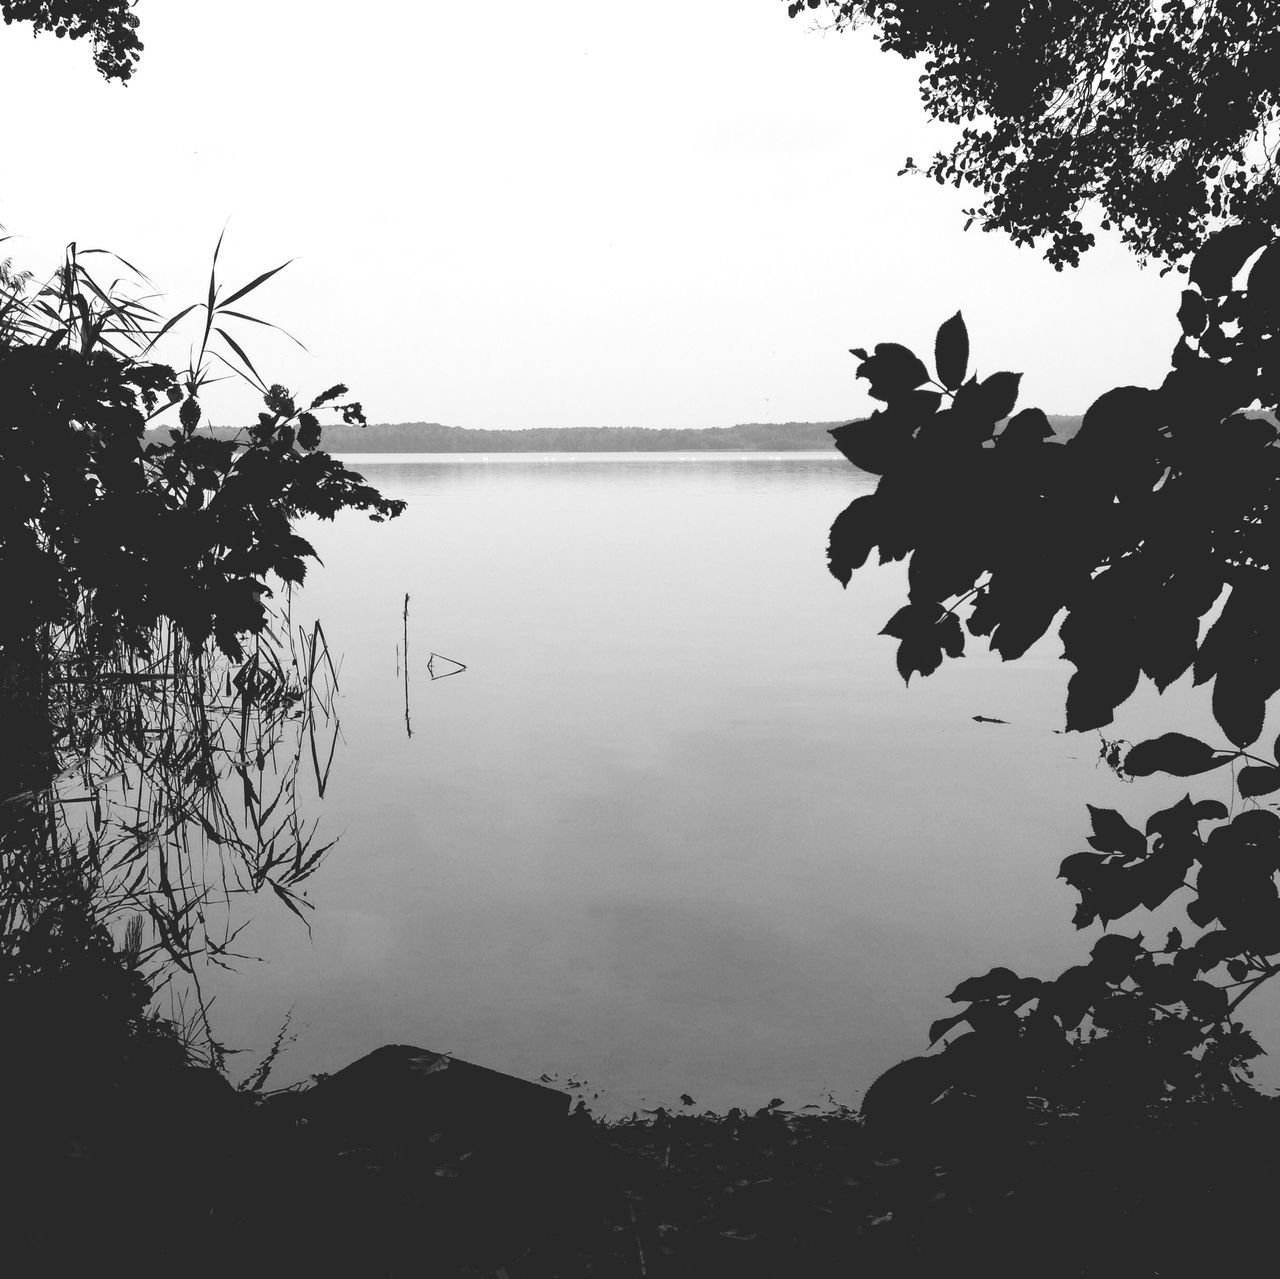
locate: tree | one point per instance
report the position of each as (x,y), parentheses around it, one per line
(1160,114)
(1153,532)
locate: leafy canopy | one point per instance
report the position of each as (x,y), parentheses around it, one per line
(1159,112)
(110,25)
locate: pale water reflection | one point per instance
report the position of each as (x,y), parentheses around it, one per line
(679,827)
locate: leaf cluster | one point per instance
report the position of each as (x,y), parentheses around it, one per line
(1158,510)
(95,521)
(111,26)
(1161,114)
(1153,534)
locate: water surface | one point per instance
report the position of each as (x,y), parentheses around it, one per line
(679,826)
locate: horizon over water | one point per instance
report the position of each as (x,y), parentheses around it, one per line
(678,827)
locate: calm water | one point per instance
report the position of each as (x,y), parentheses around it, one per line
(678,827)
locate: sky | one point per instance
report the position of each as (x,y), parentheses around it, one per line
(586,213)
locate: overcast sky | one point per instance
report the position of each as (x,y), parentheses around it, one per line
(511,214)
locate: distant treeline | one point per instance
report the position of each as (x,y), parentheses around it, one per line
(431,437)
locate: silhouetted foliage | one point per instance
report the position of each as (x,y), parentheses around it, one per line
(146,671)
(110,25)
(96,521)
(1157,113)
(1158,515)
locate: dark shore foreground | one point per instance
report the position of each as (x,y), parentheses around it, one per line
(408,1163)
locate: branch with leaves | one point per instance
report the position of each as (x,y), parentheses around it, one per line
(1153,533)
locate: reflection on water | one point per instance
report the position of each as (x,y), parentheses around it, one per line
(678,827)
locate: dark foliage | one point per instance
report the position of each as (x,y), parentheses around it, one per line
(93,519)
(1157,515)
(110,25)
(1156,113)
(1135,527)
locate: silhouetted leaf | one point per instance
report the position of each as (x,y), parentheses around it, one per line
(992,985)
(918,654)
(1214,947)
(1256,826)
(1205,1001)
(1240,695)
(992,1019)
(1112,834)
(1210,810)
(1173,753)
(308,431)
(951,352)
(875,443)
(253,284)
(893,371)
(1180,818)
(943,1025)
(951,635)
(1000,393)
(853,535)
(331,394)
(1257,779)
(1029,427)
(1201,912)
(1071,996)
(1192,313)
(1113,956)
(1222,255)
(1098,687)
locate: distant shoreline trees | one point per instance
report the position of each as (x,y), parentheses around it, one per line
(432,437)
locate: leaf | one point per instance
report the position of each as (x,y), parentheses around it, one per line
(1210,810)
(331,394)
(1113,956)
(873,444)
(1000,394)
(893,371)
(943,1025)
(1178,819)
(952,635)
(253,284)
(951,352)
(1112,834)
(1029,427)
(1214,947)
(308,431)
(1173,753)
(1240,694)
(235,346)
(992,985)
(1258,779)
(853,535)
(1205,1001)
(1201,913)
(1257,826)
(1193,315)
(1220,257)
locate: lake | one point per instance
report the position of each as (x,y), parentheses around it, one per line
(678,827)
